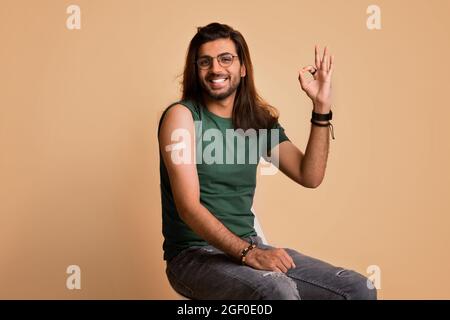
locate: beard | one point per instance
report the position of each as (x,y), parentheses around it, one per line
(233,84)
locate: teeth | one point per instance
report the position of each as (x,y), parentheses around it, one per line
(218,80)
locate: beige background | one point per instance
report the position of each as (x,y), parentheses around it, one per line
(79,179)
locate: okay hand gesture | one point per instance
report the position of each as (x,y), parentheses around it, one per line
(319,89)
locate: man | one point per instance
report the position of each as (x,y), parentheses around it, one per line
(211,247)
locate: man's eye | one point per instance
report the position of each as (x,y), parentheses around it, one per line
(203,62)
(226,59)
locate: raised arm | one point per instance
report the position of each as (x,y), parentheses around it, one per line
(308,169)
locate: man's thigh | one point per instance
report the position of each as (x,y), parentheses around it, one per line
(208,273)
(317,279)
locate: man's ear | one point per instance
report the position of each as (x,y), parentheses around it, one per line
(243,71)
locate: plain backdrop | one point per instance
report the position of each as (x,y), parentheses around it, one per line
(79,162)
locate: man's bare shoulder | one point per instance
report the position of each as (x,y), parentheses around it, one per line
(176,116)
(178,113)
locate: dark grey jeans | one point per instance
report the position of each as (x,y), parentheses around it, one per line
(208,273)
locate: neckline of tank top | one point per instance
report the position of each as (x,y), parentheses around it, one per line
(215,115)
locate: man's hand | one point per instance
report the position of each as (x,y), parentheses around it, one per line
(270,259)
(319,89)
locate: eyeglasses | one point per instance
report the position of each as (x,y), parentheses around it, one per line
(224,59)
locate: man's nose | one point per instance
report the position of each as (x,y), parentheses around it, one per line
(215,66)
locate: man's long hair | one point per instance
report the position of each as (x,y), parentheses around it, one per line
(250,110)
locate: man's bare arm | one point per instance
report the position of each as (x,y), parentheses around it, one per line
(307,169)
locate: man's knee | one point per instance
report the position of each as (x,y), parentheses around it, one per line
(278,286)
(360,287)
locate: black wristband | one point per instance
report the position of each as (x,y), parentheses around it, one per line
(322,116)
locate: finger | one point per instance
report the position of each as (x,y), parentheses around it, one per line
(317,58)
(285,261)
(282,267)
(302,77)
(330,69)
(311,69)
(289,258)
(277,270)
(324,65)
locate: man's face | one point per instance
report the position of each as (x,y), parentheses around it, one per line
(220,82)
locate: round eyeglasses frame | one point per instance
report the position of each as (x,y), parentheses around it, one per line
(219,59)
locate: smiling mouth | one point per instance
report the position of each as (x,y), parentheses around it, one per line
(220,80)
(218,83)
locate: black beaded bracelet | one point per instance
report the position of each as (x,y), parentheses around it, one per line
(245,251)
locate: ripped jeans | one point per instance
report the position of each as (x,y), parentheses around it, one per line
(208,273)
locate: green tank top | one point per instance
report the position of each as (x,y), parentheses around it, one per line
(227,178)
